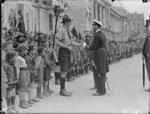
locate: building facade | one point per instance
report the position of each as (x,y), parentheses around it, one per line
(136,24)
(37,14)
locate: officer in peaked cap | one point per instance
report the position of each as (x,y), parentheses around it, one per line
(99,58)
(96,22)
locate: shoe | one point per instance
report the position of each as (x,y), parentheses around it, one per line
(23,105)
(49,90)
(31,102)
(10,110)
(93,88)
(98,94)
(70,80)
(35,100)
(26,103)
(63,92)
(41,96)
(46,94)
(148,90)
(15,109)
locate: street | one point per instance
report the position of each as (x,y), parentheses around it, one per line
(126,93)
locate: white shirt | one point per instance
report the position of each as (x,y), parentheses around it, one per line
(19,63)
(98,30)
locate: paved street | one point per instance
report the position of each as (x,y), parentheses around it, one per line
(126,94)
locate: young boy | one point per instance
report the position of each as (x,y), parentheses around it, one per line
(30,59)
(40,72)
(22,74)
(12,80)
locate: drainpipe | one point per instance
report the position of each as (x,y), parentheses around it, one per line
(39,15)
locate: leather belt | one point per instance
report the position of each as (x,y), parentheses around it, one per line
(24,68)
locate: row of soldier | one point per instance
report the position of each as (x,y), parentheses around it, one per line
(123,50)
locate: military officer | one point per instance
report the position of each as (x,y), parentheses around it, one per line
(146,55)
(99,58)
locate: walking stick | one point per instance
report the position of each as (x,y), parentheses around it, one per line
(100,77)
(143,74)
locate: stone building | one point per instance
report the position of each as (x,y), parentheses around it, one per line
(137,24)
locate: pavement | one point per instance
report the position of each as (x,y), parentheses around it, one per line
(126,94)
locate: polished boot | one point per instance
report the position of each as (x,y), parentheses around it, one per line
(63,92)
(57,78)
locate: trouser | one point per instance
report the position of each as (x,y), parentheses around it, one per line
(147,60)
(99,80)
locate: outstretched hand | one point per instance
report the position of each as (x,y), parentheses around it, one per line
(84,44)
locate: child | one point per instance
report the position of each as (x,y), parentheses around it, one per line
(33,73)
(22,74)
(12,80)
(40,72)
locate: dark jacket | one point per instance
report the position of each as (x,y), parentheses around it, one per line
(100,52)
(146,47)
(10,71)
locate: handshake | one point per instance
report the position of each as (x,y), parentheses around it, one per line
(83,44)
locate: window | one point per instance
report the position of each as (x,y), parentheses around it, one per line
(50,22)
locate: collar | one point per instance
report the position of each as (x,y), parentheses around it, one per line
(98,30)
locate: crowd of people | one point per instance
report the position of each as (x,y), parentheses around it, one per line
(27,66)
(29,61)
(122,50)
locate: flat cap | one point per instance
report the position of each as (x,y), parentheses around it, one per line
(19,34)
(22,47)
(88,34)
(10,54)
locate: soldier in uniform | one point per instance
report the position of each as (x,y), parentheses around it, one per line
(64,41)
(146,54)
(99,58)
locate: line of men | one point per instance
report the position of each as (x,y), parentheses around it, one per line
(123,50)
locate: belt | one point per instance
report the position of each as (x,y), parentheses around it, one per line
(101,49)
(24,68)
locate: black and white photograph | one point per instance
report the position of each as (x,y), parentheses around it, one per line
(75,56)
